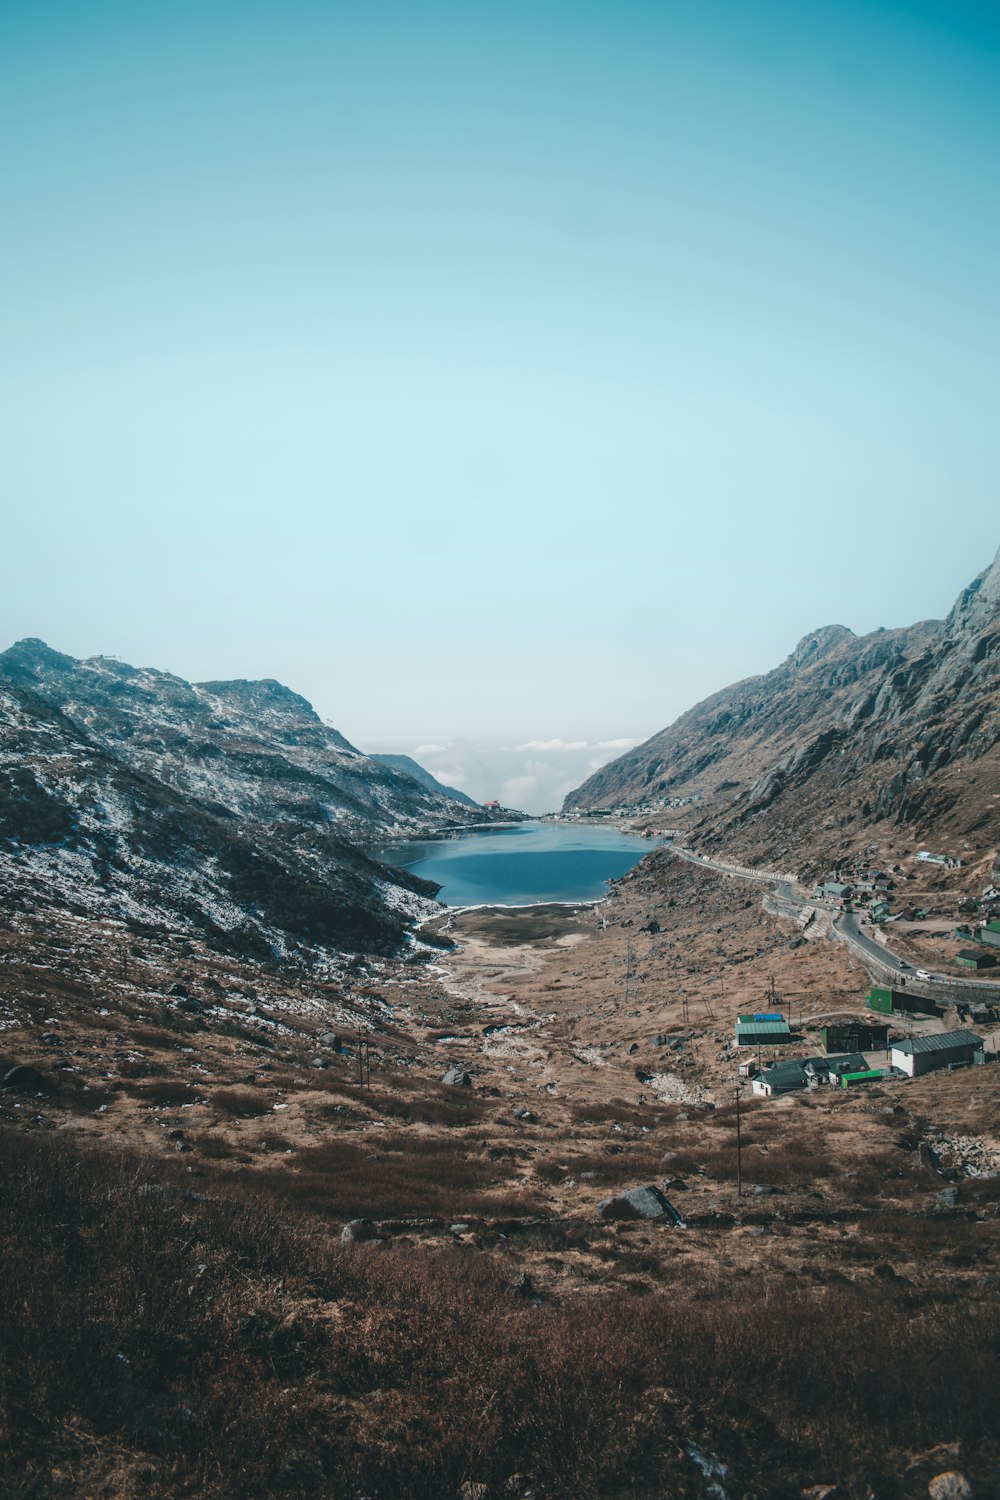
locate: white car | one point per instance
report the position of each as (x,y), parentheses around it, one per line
(923,974)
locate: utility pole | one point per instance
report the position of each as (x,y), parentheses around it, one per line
(739,1146)
(629,960)
(364,1061)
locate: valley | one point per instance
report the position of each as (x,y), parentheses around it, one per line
(589,1053)
(322,1187)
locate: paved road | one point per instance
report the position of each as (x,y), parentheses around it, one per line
(847,926)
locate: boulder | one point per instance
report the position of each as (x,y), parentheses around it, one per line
(358,1231)
(329,1039)
(950,1486)
(458,1077)
(640,1203)
(25,1079)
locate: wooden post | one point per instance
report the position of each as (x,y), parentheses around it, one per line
(739,1146)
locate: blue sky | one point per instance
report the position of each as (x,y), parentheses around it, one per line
(494,373)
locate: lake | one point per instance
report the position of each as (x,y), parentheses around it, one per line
(522,864)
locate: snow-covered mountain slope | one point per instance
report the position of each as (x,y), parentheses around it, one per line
(227,807)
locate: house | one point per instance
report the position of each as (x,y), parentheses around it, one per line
(836,890)
(793,1073)
(990,934)
(781,1078)
(879,911)
(975,958)
(840,1067)
(948,1049)
(768,1029)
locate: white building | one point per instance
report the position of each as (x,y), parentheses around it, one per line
(946,1049)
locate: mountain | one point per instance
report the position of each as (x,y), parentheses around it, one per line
(900,726)
(406,766)
(223,808)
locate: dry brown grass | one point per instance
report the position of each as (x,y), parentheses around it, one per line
(223,1349)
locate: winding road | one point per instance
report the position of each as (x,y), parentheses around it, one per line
(846,926)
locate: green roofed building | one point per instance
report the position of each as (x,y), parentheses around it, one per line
(975,958)
(990,934)
(769,1030)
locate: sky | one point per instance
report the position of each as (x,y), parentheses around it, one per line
(494,375)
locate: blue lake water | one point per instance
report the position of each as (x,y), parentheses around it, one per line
(516,866)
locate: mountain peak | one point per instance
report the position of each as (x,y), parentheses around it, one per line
(820,643)
(28,656)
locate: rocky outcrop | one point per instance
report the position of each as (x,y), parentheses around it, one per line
(225,808)
(901,725)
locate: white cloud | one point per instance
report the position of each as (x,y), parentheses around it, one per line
(430,749)
(519,790)
(548,745)
(626,744)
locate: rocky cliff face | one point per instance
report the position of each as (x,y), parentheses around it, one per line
(901,725)
(224,807)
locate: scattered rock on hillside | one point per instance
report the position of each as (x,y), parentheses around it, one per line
(950,1486)
(358,1231)
(640,1203)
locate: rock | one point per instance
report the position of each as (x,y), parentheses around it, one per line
(52,1039)
(818,1492)
(179,990)
(358,1232)
(947,1197)
(640,1203)
(458,1078)
(527,1115)
(318,1062)
(25,1079)
(763,1190)
(329,1039)
(634,1048)
(950,1485)
(458,1228)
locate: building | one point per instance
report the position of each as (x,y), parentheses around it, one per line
(990,934)
(836,890)
(804,1073)
(781,1078)
(886,1001)
(855,1036)
(948,1049)
(767,1029)
(975,958)
(864,1075)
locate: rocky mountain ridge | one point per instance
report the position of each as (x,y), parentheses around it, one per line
(899,726)
(228,808)
(407,766)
